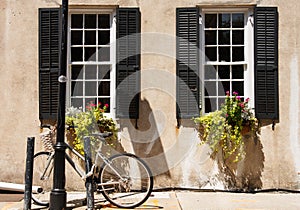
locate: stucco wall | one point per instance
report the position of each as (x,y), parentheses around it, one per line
(173,154)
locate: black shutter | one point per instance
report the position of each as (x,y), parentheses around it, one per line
(266,63)
(128,62)
(187,63)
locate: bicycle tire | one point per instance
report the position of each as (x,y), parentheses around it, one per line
(136,186)
(39,164)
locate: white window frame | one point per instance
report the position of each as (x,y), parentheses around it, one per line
(112,62)
(248,51)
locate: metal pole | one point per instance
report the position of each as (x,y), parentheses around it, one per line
(89,180)
(58,194)
(28,173)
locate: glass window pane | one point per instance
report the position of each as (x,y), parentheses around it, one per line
(224,54)
(90,38)
(237,72)
(77,88)
(90,88)
(104,101)
(211,53)
(89,101)
(224,37)
(104,21)
(104,88)
(211,37)
(210,104)
(104,53)
(210,88)
(77,102)
(76,72)
(224,72)
(238,20)
(210,72)
(90,21)
(104,71)
(76,21)
(224,20)
(238,87)
(237,53)
(76,53)
(91,72)
(223,87)
(90,53)
(238,37)
(210,21)
(103,37)
(76,38)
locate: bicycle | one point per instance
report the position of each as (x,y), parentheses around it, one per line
(123,179)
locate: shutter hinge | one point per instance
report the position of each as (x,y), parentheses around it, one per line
(200,20)
(62,79)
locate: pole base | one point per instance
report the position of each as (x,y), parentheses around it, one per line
(58,199)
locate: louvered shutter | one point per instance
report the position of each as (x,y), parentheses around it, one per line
(49,50)
(187,63)
(266,63)
(128,62)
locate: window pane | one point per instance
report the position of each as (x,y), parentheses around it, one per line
(76,53)
(211,37)
(104,72)
(77,102)
(210,72)
(90,21)
(90,72)
(210,88)
(238,87)
(76,72)
(103,37)
(104,101)
(223,87)
(210,21)
(76,38)
(221,101)
(90,53)
(76,21)
(237,72)
(104,53)
(210,104)
(238,20)
(238,54)
(224,37)
(211,53)
(90,88)
(224,54)
(224,72)
(76,88)
(104,21)
(89,101)
(238,37)
(90,38)
(104,88)
(224,20)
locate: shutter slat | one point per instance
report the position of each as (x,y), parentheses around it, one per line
(266,62)
(128,62)
(187,64)
(49,50)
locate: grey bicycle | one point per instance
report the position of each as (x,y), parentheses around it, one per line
(124,180)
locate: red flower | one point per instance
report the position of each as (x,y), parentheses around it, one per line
(106,105)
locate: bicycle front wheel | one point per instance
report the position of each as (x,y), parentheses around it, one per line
(42,177)
(126,181)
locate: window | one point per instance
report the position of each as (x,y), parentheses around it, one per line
(225,67)
(225,49)
(91,69)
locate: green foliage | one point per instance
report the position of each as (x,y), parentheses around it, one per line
(87,122)
(222,129)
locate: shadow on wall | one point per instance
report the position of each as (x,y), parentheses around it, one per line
(246,174)
(145,139)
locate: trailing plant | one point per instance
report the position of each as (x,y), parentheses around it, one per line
(223,129)
(84,123)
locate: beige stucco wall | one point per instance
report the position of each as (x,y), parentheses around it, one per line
(174,154)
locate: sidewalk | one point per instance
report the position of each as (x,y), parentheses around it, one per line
(187,200)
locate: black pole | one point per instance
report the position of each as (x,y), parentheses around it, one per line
(28,173)
(89,180)
(58,194)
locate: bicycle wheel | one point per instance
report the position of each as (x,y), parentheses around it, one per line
(42,177)
(126,181)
